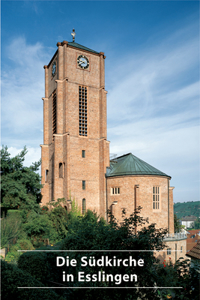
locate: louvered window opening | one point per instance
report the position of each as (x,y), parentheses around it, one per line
(54,112)
(115,191)
(156,197)
(82,111)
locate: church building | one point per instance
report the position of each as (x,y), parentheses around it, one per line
(75,153)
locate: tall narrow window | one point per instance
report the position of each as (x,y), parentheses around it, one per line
(156,197)
(83,153)
(82,111)
(83,184)
(60,170)
(54,112)
(46,175)
(169,251)
(83,206)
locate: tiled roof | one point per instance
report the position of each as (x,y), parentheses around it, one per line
(195,251)
(76,45)
(194,231)
(129,164)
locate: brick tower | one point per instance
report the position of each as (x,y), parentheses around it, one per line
(75,152)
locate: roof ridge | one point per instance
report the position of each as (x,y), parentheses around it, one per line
(77,45)
(121,156)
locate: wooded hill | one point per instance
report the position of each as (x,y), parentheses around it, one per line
(191,208)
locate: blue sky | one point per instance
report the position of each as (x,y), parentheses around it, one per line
(152,77)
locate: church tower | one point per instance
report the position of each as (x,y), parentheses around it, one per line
(75,152)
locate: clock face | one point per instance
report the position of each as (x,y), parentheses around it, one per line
(54,68)
(83,62)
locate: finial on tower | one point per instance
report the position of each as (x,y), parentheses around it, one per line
(73,34)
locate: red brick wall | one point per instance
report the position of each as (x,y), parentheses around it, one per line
(142,196)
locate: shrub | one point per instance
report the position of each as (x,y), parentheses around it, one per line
(38,228)
(22,244)
(35,264)
(12,278)
(10,229)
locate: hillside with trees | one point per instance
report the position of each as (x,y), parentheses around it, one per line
(183,209)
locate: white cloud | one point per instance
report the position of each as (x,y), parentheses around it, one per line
(33,154)
(22,90)
(143,86)
(153,109)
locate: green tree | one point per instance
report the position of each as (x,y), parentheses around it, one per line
(20,186)
(177,224)
(10,229)
(197,223)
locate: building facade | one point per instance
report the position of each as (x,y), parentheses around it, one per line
(75,153)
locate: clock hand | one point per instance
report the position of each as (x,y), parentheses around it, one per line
(82,61)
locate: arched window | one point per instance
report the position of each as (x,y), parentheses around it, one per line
(83,206)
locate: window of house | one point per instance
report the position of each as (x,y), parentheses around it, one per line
(169,251)
(156,197)
(46,175)
(83,184)
(181,249)
(82,111)
(83,206)
(115,190)
(54,112)
(83,153)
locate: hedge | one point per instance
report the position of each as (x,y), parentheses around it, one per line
(12,278)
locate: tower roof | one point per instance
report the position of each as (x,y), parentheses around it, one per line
(76,45)
(129,164)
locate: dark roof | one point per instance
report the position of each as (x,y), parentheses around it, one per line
(195,251)
(129,164)
(76,45)
(189,218)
